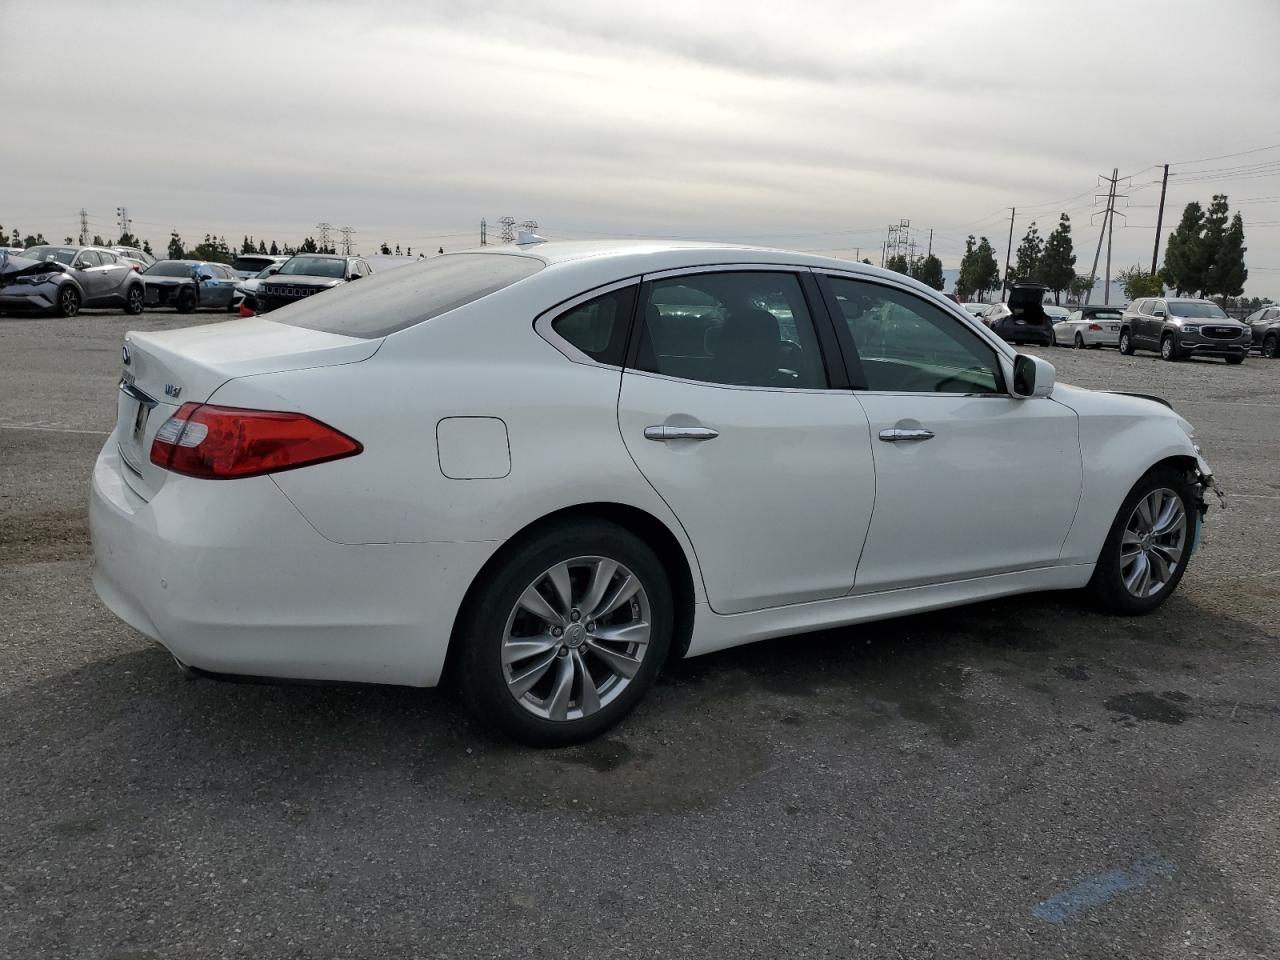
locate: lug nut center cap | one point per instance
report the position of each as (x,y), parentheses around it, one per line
(574,635)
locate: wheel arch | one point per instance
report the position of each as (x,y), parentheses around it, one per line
(642,524)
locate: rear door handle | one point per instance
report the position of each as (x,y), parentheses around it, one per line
(663,432)
(898,434)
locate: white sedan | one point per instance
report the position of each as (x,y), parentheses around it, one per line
(553,466)
(1091,326)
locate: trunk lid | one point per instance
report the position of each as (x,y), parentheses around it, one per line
(165,369)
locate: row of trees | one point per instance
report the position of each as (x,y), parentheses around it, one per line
(927,269)
(1051,260)
(1205,254)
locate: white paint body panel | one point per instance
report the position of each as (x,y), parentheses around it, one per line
(355,569)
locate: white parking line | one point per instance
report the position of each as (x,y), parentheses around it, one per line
(49,429)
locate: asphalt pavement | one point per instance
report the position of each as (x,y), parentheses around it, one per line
(1022,778)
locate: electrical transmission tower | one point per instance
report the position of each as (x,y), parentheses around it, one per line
(324,227)
(84,227)
(530,225)
(347,234)
(122,218)
(484,233)
(508,225)
(1108,221)
(897,240)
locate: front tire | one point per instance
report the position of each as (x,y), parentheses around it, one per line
(1271,347)
(1126,343)
(1168,349)
(134,300)
(186,301)
(68,301)
(565,637)
(1078,343)
(1149,545)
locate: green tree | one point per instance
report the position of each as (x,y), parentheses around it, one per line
(1030,250)
(30,241)
(384,249)
(1211,240)
(98,241)
(866,260)
(262,246)
(274,251)
(897,262)
(175,246)
(928,270)
(214,249)
(146,248)
(1080,286)
(1058,262)
(979,271)
(66,240)
(1183,268)
(308,246)
(1139,283)
(247,246)
(127,239)
(1229,273)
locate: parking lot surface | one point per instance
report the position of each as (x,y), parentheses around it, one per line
(1023,778)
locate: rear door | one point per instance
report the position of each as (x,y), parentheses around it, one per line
(115,272)
(731,410)
(87,268)
(969,481)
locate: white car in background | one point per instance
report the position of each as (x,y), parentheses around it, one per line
(1055,315)
(1092,326)
(554,466)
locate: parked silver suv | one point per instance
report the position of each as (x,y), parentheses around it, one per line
(1177,327)
(53,279)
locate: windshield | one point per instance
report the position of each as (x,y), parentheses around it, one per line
(60,254)
(314,267)
(169,268)
(399,298)
(267,272)
(1198,311)
(250,264)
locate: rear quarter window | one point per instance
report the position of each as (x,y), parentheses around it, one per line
(401,298)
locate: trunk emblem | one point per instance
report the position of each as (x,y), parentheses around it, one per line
(124,354)
(171,390)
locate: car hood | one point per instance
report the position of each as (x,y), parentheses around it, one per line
(12,267)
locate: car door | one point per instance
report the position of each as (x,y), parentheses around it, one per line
(87,268)
(1069,327)
(114,274)
(226,286)
(1153,320)
(731,407)
(970,481)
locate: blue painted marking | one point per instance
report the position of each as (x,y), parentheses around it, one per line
(1097,890)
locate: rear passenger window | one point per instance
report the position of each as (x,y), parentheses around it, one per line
(749,328)
(599,327)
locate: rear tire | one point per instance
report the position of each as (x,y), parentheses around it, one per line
(186,301)
(135,300)
(1271,346)
(1168,348)
(1126,343)
(503,640)
(1112,586)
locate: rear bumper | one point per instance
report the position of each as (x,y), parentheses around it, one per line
(1101,338)
(231,579)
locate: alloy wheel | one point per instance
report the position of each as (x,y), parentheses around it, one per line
(576,638)
(135,300)
(1124,343)
(1166,348)
(1153,542)
(68,302)
(1079,343)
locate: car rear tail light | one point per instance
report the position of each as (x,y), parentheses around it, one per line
(224,443)
(1095,326)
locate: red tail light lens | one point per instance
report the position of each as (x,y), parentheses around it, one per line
(224,443)
(1094,326)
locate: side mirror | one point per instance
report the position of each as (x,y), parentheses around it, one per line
(1032,377)
(1157,312)
(354,276)
(272,271)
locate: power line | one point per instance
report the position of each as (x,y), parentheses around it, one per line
(1226,156)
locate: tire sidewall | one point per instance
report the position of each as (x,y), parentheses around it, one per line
(1126,343)
(1167,351)
(482,629)
(1107,583)
(1270,343)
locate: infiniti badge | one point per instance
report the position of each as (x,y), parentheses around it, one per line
(124,353)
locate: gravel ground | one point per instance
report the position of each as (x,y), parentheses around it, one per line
(1022,778)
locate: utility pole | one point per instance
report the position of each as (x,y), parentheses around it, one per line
(884,244)
(1008,253)
(1106,218)
(484,233)
(1111,222)
(1155,253)
(930,241)
(84,227)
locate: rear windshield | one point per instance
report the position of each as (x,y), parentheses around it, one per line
(1104,314)
(169,268)
(251,264)
(314,267)
(391,301)
(1201,311)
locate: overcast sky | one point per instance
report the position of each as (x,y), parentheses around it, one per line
(809,125)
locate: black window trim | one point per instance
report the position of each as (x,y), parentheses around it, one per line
(850,350)
(832,366)
(543,321)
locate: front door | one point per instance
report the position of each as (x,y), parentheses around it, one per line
(727,411)
(969,480)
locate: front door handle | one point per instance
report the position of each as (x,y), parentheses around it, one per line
(663,432)
(898,434)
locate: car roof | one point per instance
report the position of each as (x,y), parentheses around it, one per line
(1183,300)
(321,256)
